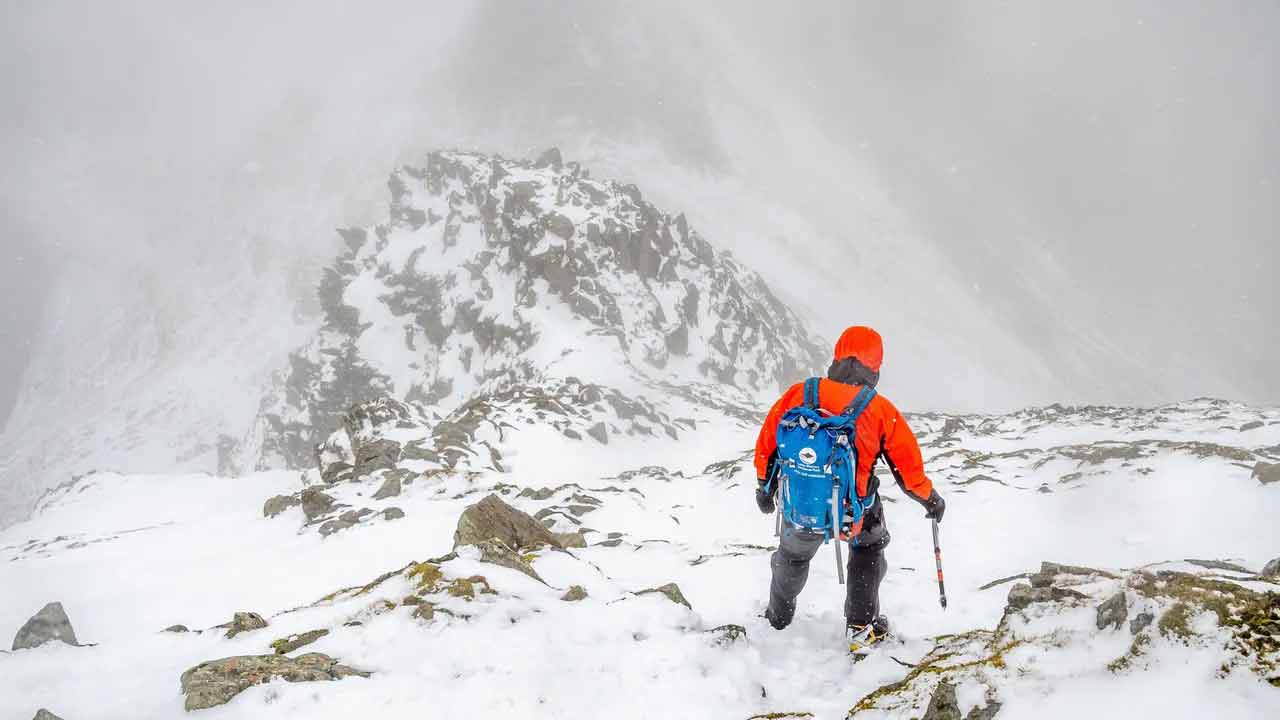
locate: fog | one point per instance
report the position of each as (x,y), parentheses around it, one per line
(1099,178)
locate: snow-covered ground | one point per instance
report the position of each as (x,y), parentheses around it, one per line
(130,555)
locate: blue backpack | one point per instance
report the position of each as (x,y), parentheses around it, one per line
(816,464)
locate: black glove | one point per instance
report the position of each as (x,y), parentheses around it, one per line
(935,506)
(764,499)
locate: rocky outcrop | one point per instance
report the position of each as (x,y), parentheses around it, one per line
(390,488)
(43,714)
(215,682)
(943,705)
(278,504)
(243,622)
(1112,612)
(1271,569)
(496,552)
(492,518)
(286,645)
(51,623)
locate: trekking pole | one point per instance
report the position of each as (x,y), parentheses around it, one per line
(937,556)
(835,531)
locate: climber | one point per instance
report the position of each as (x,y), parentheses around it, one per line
(877,430)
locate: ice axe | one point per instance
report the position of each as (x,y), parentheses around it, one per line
(937,556)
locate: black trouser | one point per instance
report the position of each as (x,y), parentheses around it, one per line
(790,563)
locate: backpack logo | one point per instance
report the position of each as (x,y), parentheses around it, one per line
(807,456)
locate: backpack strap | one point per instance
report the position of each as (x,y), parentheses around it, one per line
(811,393)
(860,402)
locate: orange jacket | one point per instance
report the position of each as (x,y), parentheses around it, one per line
(881,431)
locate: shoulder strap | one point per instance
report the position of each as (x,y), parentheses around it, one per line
(860,402)
(811,393)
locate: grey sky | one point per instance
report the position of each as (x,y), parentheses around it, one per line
(1092,169)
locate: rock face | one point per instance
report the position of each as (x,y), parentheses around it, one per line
(471,245)
(1113,612)
(491,518)
(1271,569)
(51,623)
(215,682)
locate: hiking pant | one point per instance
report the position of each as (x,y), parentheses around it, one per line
(866,568)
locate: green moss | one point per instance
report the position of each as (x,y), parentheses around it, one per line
(1174,621)
(932,664)
(466,588)
(425,576)
(781,715)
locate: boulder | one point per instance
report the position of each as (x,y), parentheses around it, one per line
(177,629)
(496,552)
(43,714)
(392,513)
(491,518)
(558,224)
(375,455)
(213,683)
(670,591)
(243,622)
(278,504)
(316,503)
(1112,612)
(390,488)
(286,645)
(1266,473)
(1141,622)
(51,623)
(1271,569)
(943,705)
(574,594)
(599,432)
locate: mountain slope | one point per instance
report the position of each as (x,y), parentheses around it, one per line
(1123,511)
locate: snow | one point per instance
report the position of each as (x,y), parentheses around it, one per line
(198,549)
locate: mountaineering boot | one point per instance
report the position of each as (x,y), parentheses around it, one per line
(864,638)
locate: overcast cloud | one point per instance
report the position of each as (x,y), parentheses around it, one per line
(1083,169)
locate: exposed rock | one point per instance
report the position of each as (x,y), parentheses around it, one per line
(1141,622)
(390,488)
(375,455)
(574,594)
(728,634)
(1266,473)
(1220,565)
(1271,569)
(549,158)
(43,714)
(571,539)
(278,504)
(176,629)
(243,622)
(392,513)
(1113,612)
(286,645)
(51,623)
(670,591)
(1050,570)
(496,552)
(943,705)
(599,432)
(556,223)
(1022,596)
(491,518)
(215,682)
(1251,425)
(316,503)
(986,712)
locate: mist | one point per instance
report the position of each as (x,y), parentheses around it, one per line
(1096,181)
